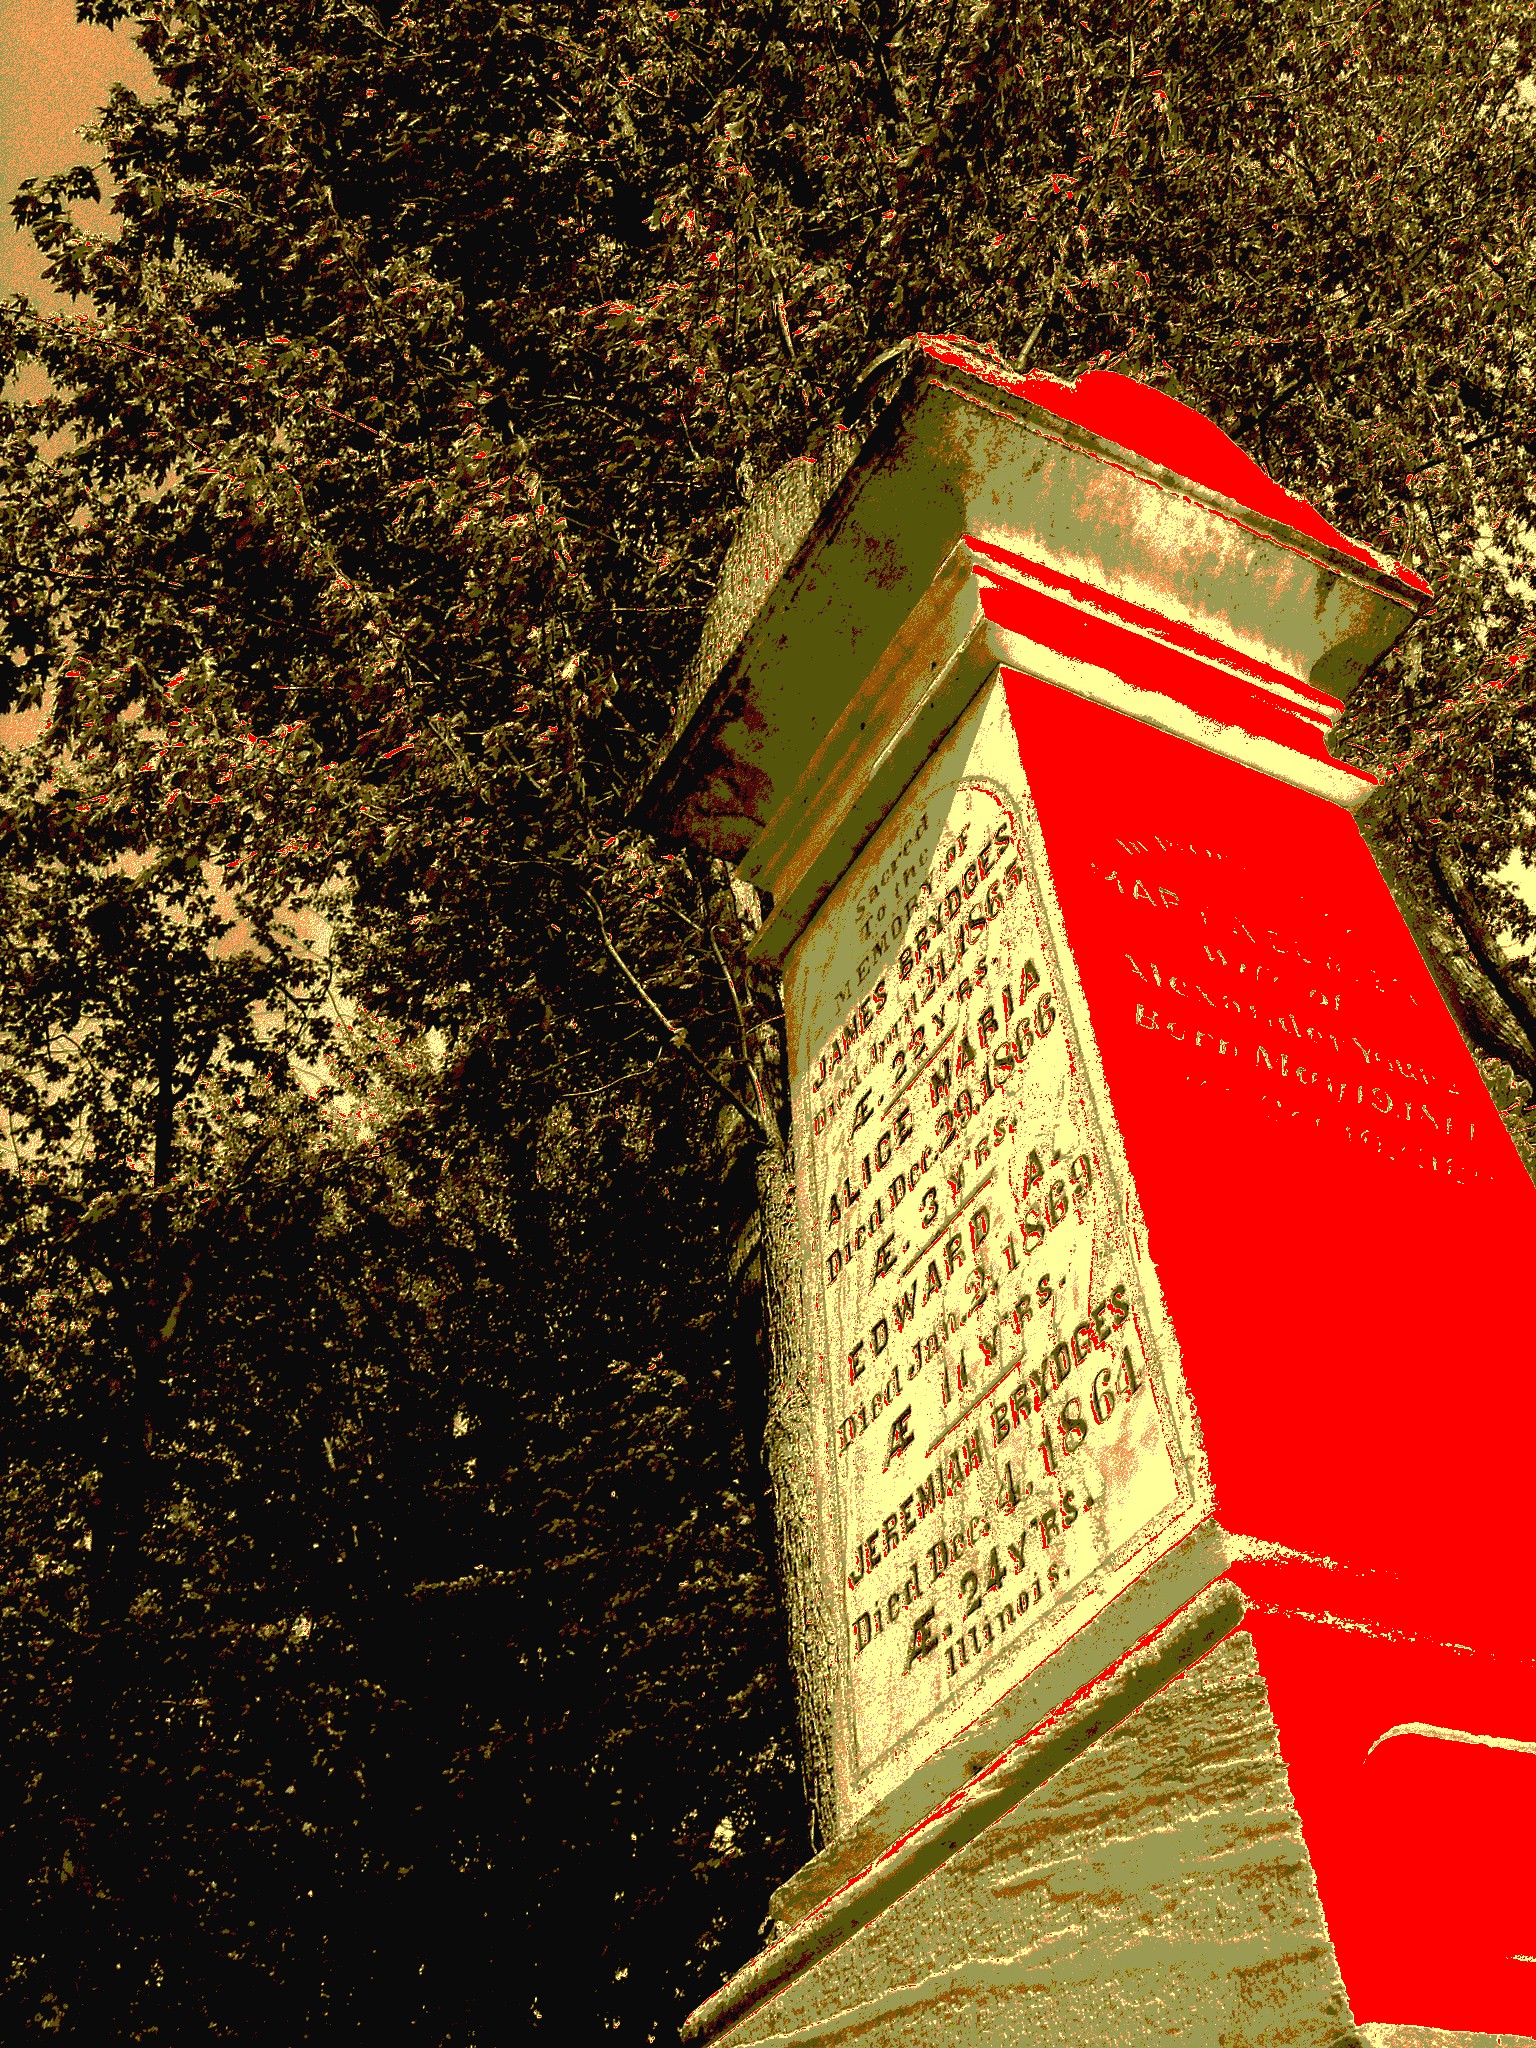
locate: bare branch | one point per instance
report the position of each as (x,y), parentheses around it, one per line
(708,931)
(168,1328)
(674,1033)
(778,297)
(624,1080)
(764,1114)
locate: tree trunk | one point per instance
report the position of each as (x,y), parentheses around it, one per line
(1467,963)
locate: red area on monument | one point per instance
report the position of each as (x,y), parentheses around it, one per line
(1336,1215)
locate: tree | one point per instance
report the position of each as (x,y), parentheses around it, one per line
(357,556)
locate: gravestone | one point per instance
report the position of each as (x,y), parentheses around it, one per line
(1161,1406)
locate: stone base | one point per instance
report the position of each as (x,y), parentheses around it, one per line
(1154,1888)
(1437,2037)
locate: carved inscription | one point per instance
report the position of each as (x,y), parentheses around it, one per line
(1000,1424)
(1291,1017)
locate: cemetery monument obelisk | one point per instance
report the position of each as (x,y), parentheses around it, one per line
(1151,1457)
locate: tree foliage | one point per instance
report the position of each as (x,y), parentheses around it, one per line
(389,1627)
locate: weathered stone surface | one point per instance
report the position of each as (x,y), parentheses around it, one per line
(1004,1445)
(831,561)
(1156,1888)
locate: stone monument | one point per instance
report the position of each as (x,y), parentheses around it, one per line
(1163,1264)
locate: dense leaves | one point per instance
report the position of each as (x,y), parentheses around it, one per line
(389,1622)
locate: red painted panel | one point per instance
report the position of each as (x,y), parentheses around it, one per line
(1345,1236)
(1422,1848)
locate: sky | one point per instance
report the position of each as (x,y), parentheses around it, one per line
(54,75)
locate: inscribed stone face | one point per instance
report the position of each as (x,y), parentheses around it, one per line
(1004,1439)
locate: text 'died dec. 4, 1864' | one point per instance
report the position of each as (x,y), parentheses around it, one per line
(1005,1438)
